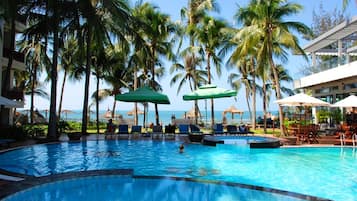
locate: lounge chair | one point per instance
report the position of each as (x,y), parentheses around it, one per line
(243,130)
(156,132)
(183,129)
(232,130)
(123,130)
(170,132)
(195,129)
(135,130)
(218,129)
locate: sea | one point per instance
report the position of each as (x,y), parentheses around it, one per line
(164,116)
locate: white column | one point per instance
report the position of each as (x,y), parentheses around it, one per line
(339,43)
(313,59)
(313,110)
(1,51)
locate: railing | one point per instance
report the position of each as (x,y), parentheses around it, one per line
(18,56)
(15,94)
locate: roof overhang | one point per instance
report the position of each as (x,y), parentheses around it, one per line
(334,74)
(341,31)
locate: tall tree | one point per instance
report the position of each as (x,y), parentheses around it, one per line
(156,34)
(193,14)
(212,37)
(272,33)
(36,59)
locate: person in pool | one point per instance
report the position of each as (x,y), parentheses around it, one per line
(181,148)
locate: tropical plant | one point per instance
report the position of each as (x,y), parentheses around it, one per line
(156,34)
(212,37)
(273,35)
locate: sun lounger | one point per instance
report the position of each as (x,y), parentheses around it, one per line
(157,132)
(243,130)
(123,130)
(195,129)
(170,132)
(135,130)
(183,129)
(232,130)
(218,129)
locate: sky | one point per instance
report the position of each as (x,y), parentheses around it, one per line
(74,91)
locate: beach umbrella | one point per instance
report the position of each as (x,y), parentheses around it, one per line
(132,112)
(143,95)
(301,99)
(66,112)
(350,101)
(108,114)
(209,91)
(233,110)
(191,113)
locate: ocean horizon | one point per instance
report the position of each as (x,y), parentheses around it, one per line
(164,116)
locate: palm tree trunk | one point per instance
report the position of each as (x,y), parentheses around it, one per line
(247,99)
(61,96)
(265,105)
(52,125)
(209,82)
(113,109)
(97,103)
(86,84)
(254,90)
(277,91)
(135,104)
(34,77)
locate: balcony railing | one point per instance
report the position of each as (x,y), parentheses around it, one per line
(15,94)
(18,56)
(327,64)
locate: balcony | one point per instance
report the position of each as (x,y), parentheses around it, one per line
(15,94)
(17,56)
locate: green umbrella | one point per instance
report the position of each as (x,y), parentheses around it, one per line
(209,91)
(143,94)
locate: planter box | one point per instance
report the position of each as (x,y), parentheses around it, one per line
(74,136)
(195,137)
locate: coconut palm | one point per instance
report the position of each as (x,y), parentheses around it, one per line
(101,19)
(193,14)
(269,31)
(236,80)
(211,36)
(156,31)
(69,66)
(36,59)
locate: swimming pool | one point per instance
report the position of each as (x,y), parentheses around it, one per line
(121,187)
(323,172)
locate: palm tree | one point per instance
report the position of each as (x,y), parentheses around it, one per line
(100,18)
(268,31)
(212,36)
(194,13)
(36,60)
(156,35)
(242,78)
(69,66)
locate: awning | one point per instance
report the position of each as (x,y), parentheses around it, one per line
(10,103)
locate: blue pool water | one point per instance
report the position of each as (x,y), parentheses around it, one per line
(323,172)
(117,188)
(242,139)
